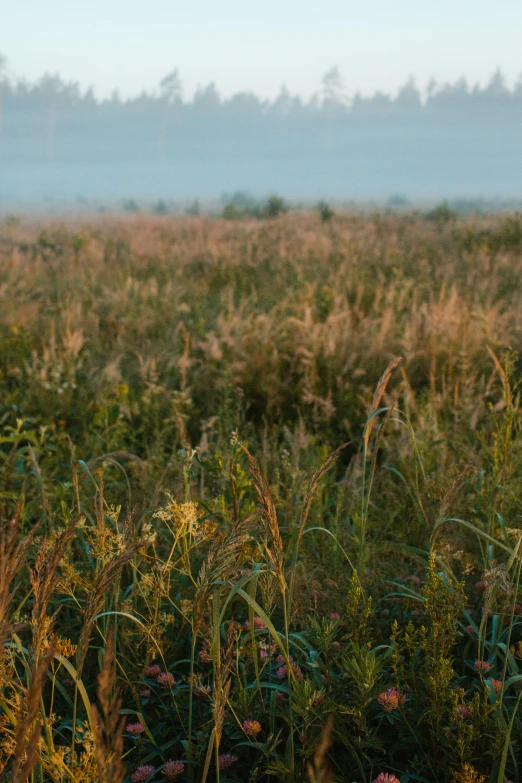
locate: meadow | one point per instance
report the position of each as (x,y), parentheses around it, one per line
(260,498)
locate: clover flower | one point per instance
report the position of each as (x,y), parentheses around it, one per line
(173,768)
(481,666)
(251,727)
(259,624)
(153,670)
(386,777)
(334,616)
(166,679)
(225,761)
(143,773)
(135,728)
(391,699)
(282,672)
(145,693)
(204,654)
(497,686)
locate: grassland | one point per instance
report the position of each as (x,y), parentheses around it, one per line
(260,497)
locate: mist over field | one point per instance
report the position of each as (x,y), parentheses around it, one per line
(59,142)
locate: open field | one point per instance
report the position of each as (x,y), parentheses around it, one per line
(194,584)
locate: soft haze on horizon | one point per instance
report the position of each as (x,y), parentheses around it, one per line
(130,46)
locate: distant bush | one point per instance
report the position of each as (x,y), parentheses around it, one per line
(326,213)
(160,208)
(231,212)
(397,200)
(130,206)
(275,206)
(441,214)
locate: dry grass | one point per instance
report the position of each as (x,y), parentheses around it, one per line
(180,525)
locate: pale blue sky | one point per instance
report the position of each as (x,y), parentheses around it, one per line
(131,44)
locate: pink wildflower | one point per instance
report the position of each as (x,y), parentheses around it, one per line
(135,728)
(391,699)
(263,654)
(204,655)
(251,727)
(173,769)
(336,646)
(282,672)
(166,679)
(143,773)
(386,777)
(480,586)
(153,671)
(280,697)
(281,658)
(497,686)
(481,666)
(334,616)
(145,693)
(259,624)
(470,630)
(226,760)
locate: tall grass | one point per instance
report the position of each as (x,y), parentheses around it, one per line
(199,582)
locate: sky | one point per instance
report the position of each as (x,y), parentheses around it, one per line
(244,45)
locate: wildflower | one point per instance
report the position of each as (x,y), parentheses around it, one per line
(282,672)
(259,624)
(153,671)
(135,728)
(225,761)
(143,773)
(334,616)
(319,699)
(280,697)
(263,654)
(173,768)
(481,666)
(386,777)
(518,609)
(470,630)
(415,613)
(414,579)
(145,693)
(480,586)
(336,646)
(463,711)
(204,655)
(166,679)
(251,727)
(497,686)
(391,699)
(281,658)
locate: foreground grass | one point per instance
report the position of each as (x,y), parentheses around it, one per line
(195,584)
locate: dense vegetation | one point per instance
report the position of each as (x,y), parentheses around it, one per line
(260,497)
